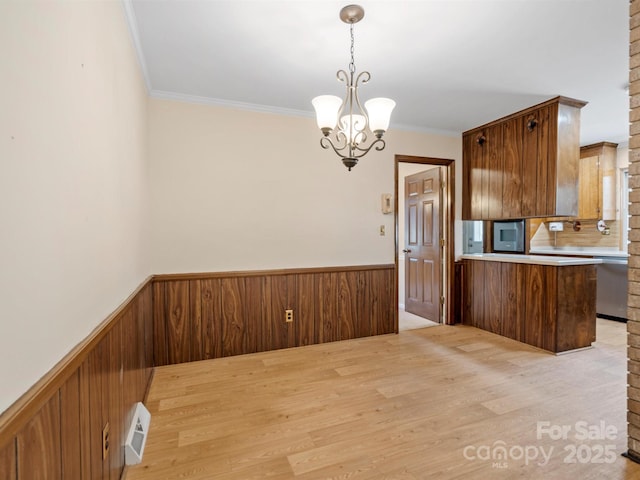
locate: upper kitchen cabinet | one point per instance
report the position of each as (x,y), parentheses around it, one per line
(483,178)
(473,163)
(523,165)
(597,184)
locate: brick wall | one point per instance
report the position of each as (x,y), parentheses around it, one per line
(633,325)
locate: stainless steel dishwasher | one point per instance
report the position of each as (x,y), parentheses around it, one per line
(611,297)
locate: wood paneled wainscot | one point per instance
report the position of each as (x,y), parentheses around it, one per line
(211,315)
(54,431)
(547,302)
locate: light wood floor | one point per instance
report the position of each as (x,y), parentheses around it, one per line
(409,321)
(406,406)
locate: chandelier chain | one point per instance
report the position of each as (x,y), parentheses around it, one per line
(352,65)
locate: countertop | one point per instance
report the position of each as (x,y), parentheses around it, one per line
(551,260)
(587,251)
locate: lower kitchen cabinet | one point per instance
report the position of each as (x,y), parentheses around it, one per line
(547,306)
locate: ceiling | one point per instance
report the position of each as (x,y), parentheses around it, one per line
(450,65)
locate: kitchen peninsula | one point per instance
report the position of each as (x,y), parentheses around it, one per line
(545,301)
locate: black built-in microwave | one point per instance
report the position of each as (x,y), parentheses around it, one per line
(508,236)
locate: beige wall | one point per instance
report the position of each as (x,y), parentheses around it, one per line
(73,180)
(101,187)
(238,190)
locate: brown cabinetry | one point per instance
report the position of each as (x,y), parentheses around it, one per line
(511,195)
(549,307)
(523,165)
(474,179)
(597,181)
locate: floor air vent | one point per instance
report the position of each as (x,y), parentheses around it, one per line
(137,436)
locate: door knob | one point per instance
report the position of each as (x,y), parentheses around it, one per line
(406,250)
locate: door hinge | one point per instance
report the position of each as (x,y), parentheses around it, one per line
(441,300)
(442,185)
(442,242)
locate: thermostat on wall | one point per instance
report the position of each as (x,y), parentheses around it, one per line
(387,203)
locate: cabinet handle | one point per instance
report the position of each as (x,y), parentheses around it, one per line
(481,139)
(532,124)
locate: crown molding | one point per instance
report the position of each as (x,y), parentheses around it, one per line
(252,107)
(218,102)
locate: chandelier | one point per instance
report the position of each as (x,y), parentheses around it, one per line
(345,125)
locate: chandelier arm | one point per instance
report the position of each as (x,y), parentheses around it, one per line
(363,139)
(343,77)
(363,77)
(326,143)
(341,138)
(379,144)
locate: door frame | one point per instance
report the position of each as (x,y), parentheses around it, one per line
(448,204)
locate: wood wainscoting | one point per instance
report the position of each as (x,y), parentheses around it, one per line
(202,316)
(54,431)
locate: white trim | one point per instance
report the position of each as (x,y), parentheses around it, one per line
(219,102)
(254,107)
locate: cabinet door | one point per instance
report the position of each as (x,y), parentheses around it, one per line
(597,182)
(512,158)
(513,296)
(475,178)
(476,285)
(607,174)
(589,194)
(466,294)
(535,165)
(576,307)
(467,152)
(540,283)
(493,320)
(494,172)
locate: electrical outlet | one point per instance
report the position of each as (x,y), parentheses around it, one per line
(105,441)
(288,316)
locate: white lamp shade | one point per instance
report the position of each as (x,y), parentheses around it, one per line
(355,129)
(327,108)
(379,110)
